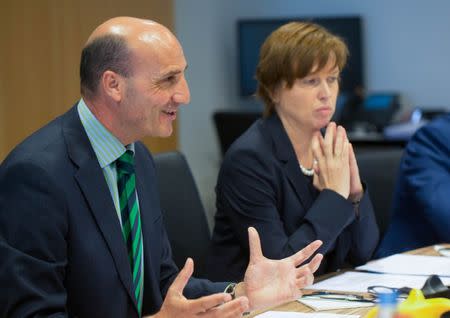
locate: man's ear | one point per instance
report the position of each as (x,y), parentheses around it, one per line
(113,85)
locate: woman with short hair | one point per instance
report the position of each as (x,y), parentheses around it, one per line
(282,176)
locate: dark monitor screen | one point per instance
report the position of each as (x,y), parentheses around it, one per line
(252,33)
(378,101)
(378,109)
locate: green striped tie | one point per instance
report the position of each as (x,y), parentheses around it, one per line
(131,220)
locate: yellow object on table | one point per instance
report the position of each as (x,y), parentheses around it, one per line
(416,306)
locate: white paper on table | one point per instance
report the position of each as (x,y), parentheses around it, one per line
(328,304)
(407,264)
(284,314)
(359,281)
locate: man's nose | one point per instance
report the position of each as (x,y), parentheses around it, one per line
(182,94)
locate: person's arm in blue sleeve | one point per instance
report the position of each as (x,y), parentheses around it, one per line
(427,175)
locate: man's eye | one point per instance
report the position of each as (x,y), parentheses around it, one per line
(171,79)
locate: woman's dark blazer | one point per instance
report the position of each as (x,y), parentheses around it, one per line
(260,184)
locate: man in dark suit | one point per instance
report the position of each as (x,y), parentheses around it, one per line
(81,230)
(421,208)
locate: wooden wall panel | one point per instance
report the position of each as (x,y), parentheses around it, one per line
(40,46)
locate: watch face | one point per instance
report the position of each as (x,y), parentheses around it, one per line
(231,290)
(444,251)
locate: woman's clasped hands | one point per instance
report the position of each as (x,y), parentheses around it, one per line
(335,165)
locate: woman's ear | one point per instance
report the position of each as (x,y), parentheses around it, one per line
(113,85)
(275,93)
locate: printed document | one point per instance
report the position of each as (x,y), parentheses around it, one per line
(407,264)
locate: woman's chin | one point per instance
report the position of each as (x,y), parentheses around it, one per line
(322,124)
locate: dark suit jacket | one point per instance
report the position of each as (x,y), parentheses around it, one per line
(421,208)
(260,184)
(61,247)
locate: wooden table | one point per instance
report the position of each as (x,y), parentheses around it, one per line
(298,307)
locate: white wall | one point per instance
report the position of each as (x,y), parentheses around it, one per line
(407,49)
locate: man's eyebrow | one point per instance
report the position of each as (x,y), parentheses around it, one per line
(169,74)
(173,72)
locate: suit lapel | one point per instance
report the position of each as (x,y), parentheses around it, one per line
(284,151)
(145,207)
(150,212)
(93,185)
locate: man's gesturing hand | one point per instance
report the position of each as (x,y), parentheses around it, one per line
(217,305)
(271,282)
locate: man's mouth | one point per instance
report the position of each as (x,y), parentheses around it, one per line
(170,112)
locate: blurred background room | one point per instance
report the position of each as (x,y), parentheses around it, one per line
(397,77)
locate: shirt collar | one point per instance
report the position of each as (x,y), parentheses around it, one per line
(106,146)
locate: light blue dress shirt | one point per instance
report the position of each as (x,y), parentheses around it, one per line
(108,149)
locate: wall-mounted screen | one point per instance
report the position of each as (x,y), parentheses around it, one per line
(252,33)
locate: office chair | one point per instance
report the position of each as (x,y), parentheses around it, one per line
(231,124)
(379,170)
(183,212)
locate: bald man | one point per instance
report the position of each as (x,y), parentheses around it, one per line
(81,231)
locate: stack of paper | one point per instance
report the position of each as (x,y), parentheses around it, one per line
(283,314)
(327,304)
(406,264)
(359,281)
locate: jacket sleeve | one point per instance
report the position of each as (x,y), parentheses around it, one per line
(195,287)
(364,232)
(33,251)
(250,193)
(426,172)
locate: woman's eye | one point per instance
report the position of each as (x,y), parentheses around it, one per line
(332,79)
(311,81)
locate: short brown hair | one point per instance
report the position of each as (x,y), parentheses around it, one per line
(290,52)
(108,52)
